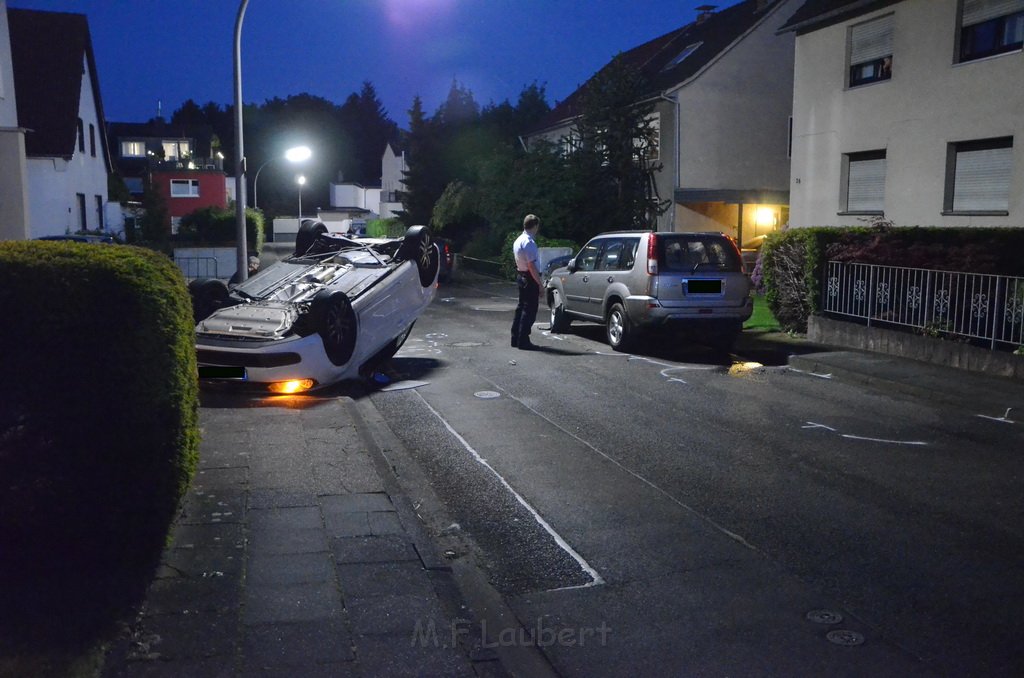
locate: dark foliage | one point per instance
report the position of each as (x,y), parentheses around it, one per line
(98,430)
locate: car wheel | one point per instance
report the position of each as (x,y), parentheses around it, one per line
(309,231)
(559,319)
(335,321)
(620,332)
(417,247)
(208,294)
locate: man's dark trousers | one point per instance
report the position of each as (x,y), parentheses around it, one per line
(526,311)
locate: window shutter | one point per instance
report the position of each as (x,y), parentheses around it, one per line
(982,180)
(872,40)
(867,186)
(977,11)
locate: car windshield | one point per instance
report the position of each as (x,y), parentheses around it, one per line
(691,254)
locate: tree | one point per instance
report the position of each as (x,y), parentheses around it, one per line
(615,135)
(424,180)
(154,223)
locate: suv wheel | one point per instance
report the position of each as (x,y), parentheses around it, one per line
(559,319)
(621,336)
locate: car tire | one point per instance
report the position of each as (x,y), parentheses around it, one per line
(417,247)
(620,332)
(560,320)
(309,231)
(208,294)
(335,322)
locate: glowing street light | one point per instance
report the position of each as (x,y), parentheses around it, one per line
(296,154)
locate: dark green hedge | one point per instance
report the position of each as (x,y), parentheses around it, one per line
(98,422)
(508,263)
(793,261)
(219,226)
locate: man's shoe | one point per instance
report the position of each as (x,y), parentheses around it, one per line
(515,342)
(527,346)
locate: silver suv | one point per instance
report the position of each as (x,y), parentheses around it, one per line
(634,281)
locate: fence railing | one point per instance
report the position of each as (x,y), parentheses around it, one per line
(197,267)
(975,305)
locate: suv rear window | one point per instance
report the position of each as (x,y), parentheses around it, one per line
(693,253)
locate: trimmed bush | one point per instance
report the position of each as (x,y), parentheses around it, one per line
(219,226)
(98,428)
(792,261)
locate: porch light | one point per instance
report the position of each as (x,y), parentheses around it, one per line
(765,217)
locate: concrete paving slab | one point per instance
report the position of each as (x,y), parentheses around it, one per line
(194,635)
(297,644)
(283,539)
(398,657)
(271,498)
(396,615)
(200,563)
(359,502)
(274,603)
(382,549)
(178,595)
(362,580)
(288,568)
(297,517)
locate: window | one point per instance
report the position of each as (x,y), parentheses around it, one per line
(175,225)
(587,258)
(134,184)
(865,182)
(184,188)
(99,211)
(679,58)
(990,27)
(651,145)
(978,176)
(174,150)
(81,136)
(83,218)
(871,51)
(92,140)
(133,149)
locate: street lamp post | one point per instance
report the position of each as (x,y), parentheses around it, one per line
(242,253)
(301,180)
(296,154)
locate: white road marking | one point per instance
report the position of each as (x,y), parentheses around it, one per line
(596,578)
(1004,419)
(813,374)
(882,440)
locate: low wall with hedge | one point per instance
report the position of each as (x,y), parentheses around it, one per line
(98,426)
(793,261)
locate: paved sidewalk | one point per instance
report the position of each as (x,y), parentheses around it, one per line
(291,558)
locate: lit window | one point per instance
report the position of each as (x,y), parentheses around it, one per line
(871,51)
(679,58)
(133,149)
(865,182)
(978,176)
(990,27)
(174,150)
(184,188)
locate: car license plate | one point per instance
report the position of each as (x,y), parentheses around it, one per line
(702,286)
(221,372)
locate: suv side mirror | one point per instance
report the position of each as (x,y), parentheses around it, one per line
(571,265)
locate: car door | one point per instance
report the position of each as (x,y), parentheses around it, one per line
(577,284)
(613,256)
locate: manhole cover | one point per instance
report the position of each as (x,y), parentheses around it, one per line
(486,395)
(467,344)
(824,617)
(844,637)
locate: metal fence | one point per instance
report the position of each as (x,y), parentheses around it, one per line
(975,305)
(197,267)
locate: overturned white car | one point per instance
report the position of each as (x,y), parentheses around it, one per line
(331,311)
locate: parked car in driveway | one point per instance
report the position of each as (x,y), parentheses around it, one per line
(554,265)
(444,246)
(642,281)
(333,310)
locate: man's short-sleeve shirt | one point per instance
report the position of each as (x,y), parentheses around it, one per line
(524,249)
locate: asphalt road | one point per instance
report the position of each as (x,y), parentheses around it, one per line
(679,512)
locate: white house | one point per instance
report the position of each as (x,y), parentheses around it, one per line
(722,93)
(14,178)
(59,105)
(908,110)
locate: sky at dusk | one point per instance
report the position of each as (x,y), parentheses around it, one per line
(151,51)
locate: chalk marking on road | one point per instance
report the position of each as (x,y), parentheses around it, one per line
(596,578)
(883,440)
(811,424)
(813,374)
(1004,419)
(732,535)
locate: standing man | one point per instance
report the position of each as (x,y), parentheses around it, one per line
(524,250)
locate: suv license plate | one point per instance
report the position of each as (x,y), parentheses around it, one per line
(702,286)
(219,372)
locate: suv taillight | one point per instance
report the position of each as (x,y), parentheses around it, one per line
(652,254)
